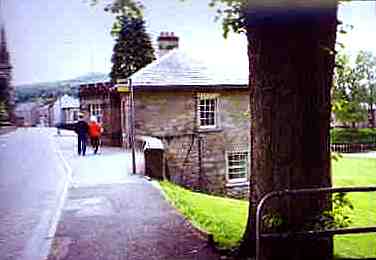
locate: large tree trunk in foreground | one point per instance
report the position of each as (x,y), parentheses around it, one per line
(291,69)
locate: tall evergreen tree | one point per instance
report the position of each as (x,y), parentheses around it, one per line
(133,49)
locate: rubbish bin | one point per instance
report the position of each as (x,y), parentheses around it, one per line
(153,151)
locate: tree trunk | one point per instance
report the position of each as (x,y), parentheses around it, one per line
(291,68)
(372,116)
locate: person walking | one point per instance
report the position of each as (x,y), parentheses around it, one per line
(95,130)
(81,129)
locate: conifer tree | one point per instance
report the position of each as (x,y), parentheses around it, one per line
(133,49)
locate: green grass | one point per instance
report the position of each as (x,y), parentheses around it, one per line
(357,172)
(223,217)
(226,218)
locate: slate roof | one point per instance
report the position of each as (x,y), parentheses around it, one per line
(69,102)
(178,69)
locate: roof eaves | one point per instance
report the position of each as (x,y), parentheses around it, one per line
(190,87)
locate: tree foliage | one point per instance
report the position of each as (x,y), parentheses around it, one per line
(354,90)
(133,49)
(366,69)
(130,8)
(347,92)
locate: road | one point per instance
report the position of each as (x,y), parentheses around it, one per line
(33,183)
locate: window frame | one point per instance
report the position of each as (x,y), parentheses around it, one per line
(95,109)
(247,167)
(208,96)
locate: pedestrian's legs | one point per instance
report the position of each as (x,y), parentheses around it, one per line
(84,145)
(95,144)
(79,144)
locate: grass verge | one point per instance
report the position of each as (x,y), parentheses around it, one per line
(226,218)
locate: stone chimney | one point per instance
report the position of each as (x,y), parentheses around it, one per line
(167,41)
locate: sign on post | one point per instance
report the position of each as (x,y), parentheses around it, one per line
(122,85)
(123,88)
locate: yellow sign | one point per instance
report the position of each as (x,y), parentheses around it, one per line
(120,81)
(122,88)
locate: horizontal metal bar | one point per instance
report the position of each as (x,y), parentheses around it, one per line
(308,191)
(320,233)
(327,190)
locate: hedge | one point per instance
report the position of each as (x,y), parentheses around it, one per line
(353,135)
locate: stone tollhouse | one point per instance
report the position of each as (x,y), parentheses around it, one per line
(199,112)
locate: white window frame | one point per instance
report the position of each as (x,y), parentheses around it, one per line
(228,167)
(96,110)
(208,96)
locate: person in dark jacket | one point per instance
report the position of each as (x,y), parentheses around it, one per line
(82,129)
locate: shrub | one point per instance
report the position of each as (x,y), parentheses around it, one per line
(353,135)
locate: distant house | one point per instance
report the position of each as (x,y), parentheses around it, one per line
(70,107)
(201,115)
(44,115)
(27,114)
(65,109)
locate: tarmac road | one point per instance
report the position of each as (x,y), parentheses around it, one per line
(33,183)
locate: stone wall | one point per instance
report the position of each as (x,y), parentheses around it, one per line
(172,117)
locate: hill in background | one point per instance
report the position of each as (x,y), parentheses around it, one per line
(48,90)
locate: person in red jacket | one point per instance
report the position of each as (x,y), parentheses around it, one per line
(95,131)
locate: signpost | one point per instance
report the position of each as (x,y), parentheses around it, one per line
(126,87)
(122,88)
(132,128)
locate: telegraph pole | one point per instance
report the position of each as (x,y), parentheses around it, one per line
(132,128)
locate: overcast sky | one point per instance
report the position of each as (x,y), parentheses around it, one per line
(61,39)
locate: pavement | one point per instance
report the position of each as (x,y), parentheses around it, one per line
(370,154)
(7,129)
(111,214)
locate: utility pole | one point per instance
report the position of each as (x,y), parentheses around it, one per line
(132,128)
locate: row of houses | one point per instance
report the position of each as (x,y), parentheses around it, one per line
(199,112)
(63,109)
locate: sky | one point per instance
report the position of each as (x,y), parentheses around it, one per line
(53,40)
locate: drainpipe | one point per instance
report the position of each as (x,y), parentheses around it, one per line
(199,141)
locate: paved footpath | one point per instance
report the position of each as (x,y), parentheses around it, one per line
(110,214)
(370,154)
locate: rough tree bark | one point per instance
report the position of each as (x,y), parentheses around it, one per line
(291,69)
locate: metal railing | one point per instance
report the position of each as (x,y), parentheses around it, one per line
(321,233)
(352,148)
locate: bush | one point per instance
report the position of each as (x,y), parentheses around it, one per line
(353,135)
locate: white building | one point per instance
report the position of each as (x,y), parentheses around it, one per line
(64,110)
